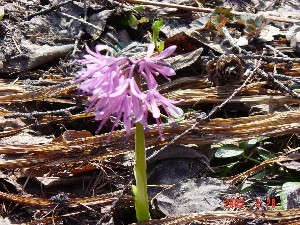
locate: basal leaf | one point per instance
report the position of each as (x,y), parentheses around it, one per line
(228,151)
(250,143)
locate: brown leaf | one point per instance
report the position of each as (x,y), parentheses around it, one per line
(72,135)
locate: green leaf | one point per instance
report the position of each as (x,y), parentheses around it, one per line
(259,21)
(260,175)
(1,12)
(227,168)
(139,7)
(250,143)
(161,46)
(155,31)
(266,154)
(223,11)
(143,20)
(287,188)
(132,20)
(228,151)
(246,186)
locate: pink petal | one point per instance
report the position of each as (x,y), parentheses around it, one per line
(135,90)
(151,82)
(158,121)
(166,53)
(150,50)
(154,108)
(90,51)
(164,70)
(121,90)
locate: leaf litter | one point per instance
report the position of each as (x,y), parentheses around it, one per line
(237,68)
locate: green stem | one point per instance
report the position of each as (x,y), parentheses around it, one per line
(140,190)
(164,116)
(253,160)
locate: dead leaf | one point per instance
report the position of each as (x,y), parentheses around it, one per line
(99,20)
(192,196)
(72,135)
(37,55)
(268,33)
(184,60)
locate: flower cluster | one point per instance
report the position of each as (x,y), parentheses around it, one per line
(114,86)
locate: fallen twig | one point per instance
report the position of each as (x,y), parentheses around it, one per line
(263,215)
(68,16)
(276,50)
(242,176)
(47,10)
(207,10)
(59,112)
(282,87)
(267,58)
(80,32)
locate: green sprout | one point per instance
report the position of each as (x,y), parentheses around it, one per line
(1,12)
(156,26)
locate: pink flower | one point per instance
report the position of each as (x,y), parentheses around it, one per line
(150,66)
(111,82)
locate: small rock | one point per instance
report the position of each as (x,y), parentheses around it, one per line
(295,42)
(192,196)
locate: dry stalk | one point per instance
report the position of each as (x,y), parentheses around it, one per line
(207,10)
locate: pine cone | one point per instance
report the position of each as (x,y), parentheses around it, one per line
(226,70)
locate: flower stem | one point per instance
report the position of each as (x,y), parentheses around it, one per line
(140,190)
